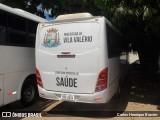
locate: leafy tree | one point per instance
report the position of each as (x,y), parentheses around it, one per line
(137,20)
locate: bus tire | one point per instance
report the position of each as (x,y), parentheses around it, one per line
(29,92)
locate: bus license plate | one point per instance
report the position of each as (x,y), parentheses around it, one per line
(67,97)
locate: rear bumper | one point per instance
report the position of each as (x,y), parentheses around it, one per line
(98,97)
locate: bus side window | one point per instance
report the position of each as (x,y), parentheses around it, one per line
(16,23)
(3,24)
(17,39)
(113,40)
(31,29)
(16,31)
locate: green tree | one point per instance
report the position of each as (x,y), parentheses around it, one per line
(137,20)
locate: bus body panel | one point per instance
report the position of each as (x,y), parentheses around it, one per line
(1,90)
(16,59)
(114,75)
(98,97)
(13,85)
(17,56)
(61,72)
(50,66)
(16,64)
(71,71)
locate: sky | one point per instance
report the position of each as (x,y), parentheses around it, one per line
(47,13)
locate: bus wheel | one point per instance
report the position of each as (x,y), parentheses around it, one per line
(29,93)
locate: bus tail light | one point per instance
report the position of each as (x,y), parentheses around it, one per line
(39,80)
(102,80)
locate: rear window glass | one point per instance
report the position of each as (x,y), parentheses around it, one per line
(70,36)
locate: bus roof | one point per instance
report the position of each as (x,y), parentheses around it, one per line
(21,13)
(80,17)
(71,16)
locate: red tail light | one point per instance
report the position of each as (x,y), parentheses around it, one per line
(65,53)
(39,80)
(102,80)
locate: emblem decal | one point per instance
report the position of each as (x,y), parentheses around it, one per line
(51,38)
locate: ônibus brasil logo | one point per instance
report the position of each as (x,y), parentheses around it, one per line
(51,38)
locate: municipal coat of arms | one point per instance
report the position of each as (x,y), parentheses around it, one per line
(51,38)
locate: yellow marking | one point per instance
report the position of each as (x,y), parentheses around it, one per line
(51,107)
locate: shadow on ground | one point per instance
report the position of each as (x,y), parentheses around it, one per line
(144,89)
(39,106)
(94,110)
(137,88)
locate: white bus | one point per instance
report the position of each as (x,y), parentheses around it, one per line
(17,56)
(78,59)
